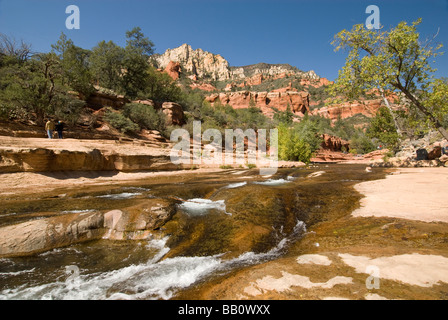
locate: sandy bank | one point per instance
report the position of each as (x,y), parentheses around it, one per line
(411,193)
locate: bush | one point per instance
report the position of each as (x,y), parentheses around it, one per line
(145,116)
(361,144)
(291,146)
(120,122)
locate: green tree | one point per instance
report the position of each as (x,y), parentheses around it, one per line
(284,116)
(291,146)
(136,62)
(390,61)
(382,128)
(106,65)
(160,87)
(75,65)
(37,89)
(120,121)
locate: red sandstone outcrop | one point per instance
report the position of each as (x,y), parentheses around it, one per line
(344,110)
(173,69)
(298,101)
(316,83)
(333,143)
(203,86)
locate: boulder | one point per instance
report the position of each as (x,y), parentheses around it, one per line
(434,153)
(422,154)
(174,112)
(333,143)
(444,158)
(45,234)
(133,223)
(140,221)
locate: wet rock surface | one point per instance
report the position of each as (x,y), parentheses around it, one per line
(226,235)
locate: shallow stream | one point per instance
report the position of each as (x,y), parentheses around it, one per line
(224,221)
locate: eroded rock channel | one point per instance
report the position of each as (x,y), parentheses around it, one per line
(155,239)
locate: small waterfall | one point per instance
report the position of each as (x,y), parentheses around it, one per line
(154,279)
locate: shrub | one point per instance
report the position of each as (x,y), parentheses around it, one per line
(291,146)
(361,144)
(120,122)
(145,116)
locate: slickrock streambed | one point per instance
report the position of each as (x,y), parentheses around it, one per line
(228,234)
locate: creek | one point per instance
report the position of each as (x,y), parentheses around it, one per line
(225,221)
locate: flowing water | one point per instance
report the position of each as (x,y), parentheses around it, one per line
(224,221)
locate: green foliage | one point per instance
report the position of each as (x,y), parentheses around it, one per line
(394,60)
(120,122)
(145,116)
(361,144)
(284,116)
(36,89)
(137,42)
(382,128)
(291,146)
(75,65)
(106,64)
(135,62)
(160,87)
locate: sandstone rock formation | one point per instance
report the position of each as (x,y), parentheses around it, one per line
(100,99)
(333,143)
(173,69)
(345,110)
(174,113)
(200,64)
(17,155)
(138,222)
(197,62)
(44,234)
(270,70)
(134,223)
(298,101)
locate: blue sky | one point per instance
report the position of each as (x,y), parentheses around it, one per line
(297,32)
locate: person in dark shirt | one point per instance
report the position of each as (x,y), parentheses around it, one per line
(60,128)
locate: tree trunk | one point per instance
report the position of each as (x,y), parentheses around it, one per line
(386,102)
(436,123)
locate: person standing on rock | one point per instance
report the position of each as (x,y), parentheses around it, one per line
(60,128)
(49,128)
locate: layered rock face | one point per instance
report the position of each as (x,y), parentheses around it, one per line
(345,110)
(174,113)
(298,101)
(270,70)
(133,223)
(17,155)
(205,65)
(333,143)
(198,62)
